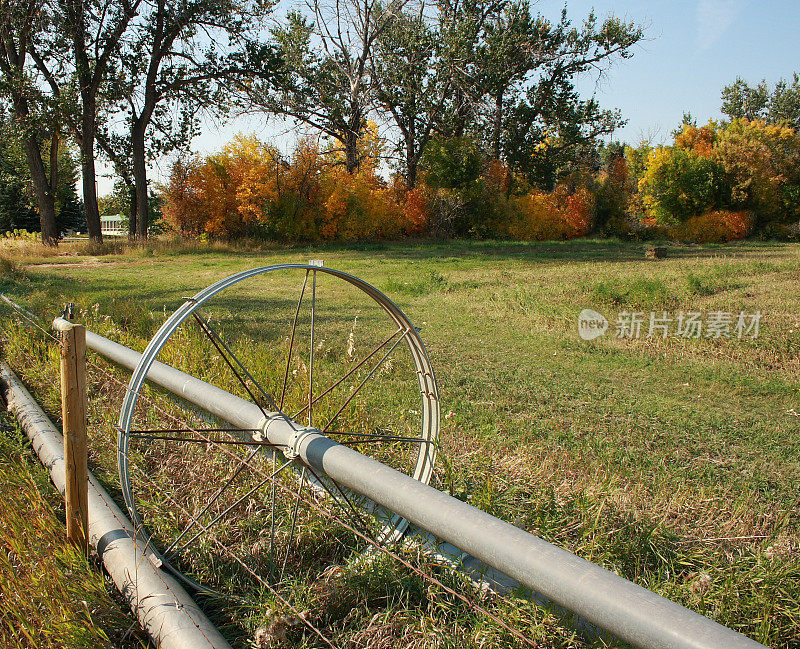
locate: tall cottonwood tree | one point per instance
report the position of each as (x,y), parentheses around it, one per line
(95,30)
(460,29)
(181,58)
(409,86)
(545,120)
(20,24)
(513,44)
(424,69)
(329,84)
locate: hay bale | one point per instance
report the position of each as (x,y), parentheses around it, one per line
(655,252)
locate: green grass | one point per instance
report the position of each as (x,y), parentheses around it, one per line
(673,462)
(51,595)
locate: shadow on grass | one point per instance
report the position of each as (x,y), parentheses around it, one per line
(591,250)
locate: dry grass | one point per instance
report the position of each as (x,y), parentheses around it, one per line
(50,596)
(672,462)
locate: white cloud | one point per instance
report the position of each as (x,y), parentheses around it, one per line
(714,17)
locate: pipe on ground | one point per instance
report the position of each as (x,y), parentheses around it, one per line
(162,606)
(632,613)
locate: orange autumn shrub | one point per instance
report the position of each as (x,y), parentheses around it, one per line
(497,176)
(296,212)
(358,206)
(538,218)
(718,226)
(417,211)
(224,194)
(542,216)
(698,140)
(577,209)
(183,206)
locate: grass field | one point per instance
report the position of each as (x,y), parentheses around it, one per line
(52,596)
(674,462)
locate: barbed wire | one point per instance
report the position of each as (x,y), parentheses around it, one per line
(288,490)
(298,495)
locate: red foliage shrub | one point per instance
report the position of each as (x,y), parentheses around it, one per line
(699,140)
(417,211)
(545,216)
(715,227)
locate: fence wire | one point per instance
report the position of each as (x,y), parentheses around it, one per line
(475,607)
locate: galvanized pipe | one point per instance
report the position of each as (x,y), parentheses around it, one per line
(163,607)
(632,613)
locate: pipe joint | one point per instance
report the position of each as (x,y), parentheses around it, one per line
(298,437)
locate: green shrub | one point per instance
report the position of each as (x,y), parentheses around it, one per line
(678,185)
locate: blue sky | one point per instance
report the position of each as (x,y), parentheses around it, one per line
(693,48)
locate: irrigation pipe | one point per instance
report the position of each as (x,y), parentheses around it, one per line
(164,609)
(632,613)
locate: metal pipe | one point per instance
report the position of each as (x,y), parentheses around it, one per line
(632,613)
(164,609)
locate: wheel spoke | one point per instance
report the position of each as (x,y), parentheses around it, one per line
(291,343)
(311,351)
(164,435)
(206,528)
(302,482)
(214,337)
(270,401)
(367,438)
(272,515)
(155,431)
(363,383)
(209,504)
(349,373)
(352,512)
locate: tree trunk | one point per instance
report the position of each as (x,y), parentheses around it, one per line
(460,113)
(54,160)
(88,170)
(132,212)
(497,126)
(41,187)
(412,162)
(45,198)
(140,178)
(351,151)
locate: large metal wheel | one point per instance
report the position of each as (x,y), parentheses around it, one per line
(320,348)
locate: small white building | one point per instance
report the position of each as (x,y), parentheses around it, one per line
(111,225)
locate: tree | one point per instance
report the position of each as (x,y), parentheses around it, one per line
(460,28)
(547,122)
(329,84)
(18,207)
(508,51)
(614,189)
(117,148)
(679,184)
(179,61)
(763,161)
(779,105)
(410,86)
(17,210)
(20,24)
(423,71)
(94,31)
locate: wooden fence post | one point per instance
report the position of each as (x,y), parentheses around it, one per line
(73,416)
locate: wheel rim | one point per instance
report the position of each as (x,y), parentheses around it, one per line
(423,452)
